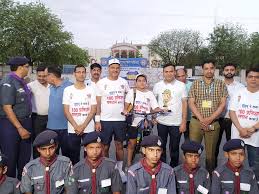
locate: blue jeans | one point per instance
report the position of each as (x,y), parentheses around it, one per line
(175,136)
(253,159)
(253,155)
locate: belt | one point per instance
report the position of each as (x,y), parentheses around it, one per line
(216,120)
(35,114)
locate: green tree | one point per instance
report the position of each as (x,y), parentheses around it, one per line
(33,31)
(228,43)
(173,46)
(253,49)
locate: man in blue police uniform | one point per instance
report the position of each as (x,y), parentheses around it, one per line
(150,175)
(8,185)
(15,113)
(48,174)
(233,177)
(190,177)
(96,174)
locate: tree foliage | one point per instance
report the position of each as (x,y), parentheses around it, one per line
(228,43)
(172,46)
(31,30)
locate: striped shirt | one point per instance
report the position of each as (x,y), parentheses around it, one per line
(209,94)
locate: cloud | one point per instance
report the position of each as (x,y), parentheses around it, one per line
(99,24)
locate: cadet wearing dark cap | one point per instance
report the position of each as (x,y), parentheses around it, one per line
(15,112)
(8,185)
(48,174)
(233,177)
(150,175)
(190,177)
(96,174)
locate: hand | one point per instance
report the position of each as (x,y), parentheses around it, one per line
(77,129)
(244,133)
(203,124)
(182,127)
(24,133)
(125,112)
(98,126)
(81,129)
(154,121)
(207,120)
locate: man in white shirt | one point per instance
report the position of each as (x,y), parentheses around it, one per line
(79,103)
(95,71)
(110,99)
(244,113)
(40,103)
(233,86)
(171,95)
(181,75)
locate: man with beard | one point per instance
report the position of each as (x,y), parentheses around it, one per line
(150,175)
(96,174)
(49,173)
(95,71)
(233,177)
(207,100)
(233,86)
(190,177)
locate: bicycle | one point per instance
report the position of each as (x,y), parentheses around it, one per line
(144,127)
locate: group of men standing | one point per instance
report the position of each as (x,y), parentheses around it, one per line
(58,114)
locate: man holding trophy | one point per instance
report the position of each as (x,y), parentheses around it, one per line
(171,95)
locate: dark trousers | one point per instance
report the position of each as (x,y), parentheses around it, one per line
(174,142)
(225,125)
(39,124)
(62,141)
(74,147)
(186,133)
(17,150)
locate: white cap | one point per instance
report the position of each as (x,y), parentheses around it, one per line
(114,61)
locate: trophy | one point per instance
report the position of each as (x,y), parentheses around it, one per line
(166,98)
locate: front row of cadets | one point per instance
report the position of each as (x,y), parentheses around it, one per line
(95,174)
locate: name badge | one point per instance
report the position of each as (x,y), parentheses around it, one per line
(206,104)
(245,187)
(106,183)
(162,191)
(59,183)
(202,189)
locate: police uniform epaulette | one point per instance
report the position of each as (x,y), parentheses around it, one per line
(11,179)
(166,166)
(32,163)
(109,160)
(63,159)
(135,167)
(178,168)
(80,163)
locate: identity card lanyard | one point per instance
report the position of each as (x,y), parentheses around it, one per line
(208,90)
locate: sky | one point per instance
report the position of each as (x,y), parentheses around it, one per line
(100,23)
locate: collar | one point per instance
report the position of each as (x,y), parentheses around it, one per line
(190,171)
(232,168)
(48,163)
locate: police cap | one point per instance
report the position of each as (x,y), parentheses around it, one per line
(92,137)
(234,144)
(192,147)
(45,138)
(19,60)
(151,140)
